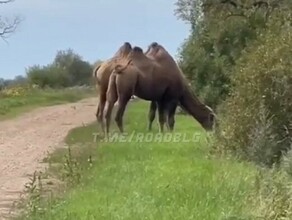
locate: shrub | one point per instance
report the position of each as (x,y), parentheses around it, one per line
(256,120)
(68,69)
(47,76)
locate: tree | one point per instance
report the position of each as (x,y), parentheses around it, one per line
(78,71)
(65,58)
(221,30)
(8,26)
(190,11)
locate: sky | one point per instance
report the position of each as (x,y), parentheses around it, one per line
(94,29)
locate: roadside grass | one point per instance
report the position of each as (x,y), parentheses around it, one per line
(12,106)
(148,179)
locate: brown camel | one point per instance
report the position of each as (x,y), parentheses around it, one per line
(102,73)
(156,52)
(162,82)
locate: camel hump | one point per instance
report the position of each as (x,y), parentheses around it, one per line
(137,50)
(158,52)
(127,44)
(124,50)
(154,44)
(127,47)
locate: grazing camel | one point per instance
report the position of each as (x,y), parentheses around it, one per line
(156,52)
(162,82)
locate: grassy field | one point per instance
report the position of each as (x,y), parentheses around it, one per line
(144,179)
(11,106)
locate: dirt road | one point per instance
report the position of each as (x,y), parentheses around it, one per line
(26,140)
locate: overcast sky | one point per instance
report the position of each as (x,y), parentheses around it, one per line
(92,28)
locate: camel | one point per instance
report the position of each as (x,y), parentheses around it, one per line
(162,82)
(156,52)
(102,73)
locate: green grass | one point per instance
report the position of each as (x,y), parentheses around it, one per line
(156,180)
(13,106)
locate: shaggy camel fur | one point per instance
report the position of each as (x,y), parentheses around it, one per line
(162,82)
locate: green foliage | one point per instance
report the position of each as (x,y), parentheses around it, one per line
(256,119)
(68,69)
(220,33)
(48,76)
(78,71)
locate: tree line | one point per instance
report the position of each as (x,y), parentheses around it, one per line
(67,69)
(238,57)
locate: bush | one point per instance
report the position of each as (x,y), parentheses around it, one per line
(68,69)
(48,76)
(15,91)
(256,120)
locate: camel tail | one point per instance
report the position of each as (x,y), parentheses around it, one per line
(112,87)
(119,68)
(95,71)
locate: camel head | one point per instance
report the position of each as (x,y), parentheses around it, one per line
(209,120)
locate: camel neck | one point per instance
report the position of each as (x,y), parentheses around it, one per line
(193,105)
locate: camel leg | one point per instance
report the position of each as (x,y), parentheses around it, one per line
(111,98)
(122,103)
(100,109)
(97,112)
(161,115)
(151,114)
(108,113)
(171,115)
